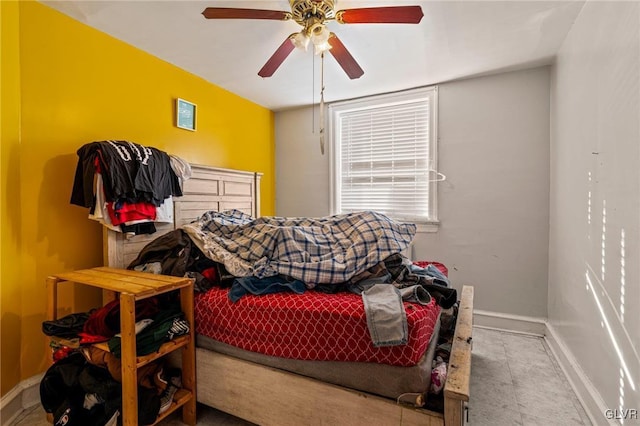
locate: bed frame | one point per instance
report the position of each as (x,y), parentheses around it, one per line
(268,396)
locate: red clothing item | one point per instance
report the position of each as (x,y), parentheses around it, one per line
(131,211)
(104,323)
(212,275)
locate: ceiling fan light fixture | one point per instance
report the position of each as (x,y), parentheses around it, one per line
(320,48)
(320,38)
(301,40)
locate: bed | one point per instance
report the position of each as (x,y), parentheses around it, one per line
(265,389)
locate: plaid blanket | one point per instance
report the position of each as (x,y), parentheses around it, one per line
(327,250)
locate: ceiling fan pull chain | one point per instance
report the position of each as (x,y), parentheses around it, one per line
(322,103)
(313,93)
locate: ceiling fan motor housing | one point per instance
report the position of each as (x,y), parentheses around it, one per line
(305,12)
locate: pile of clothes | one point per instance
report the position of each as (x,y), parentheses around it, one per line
(355,252)
(126,186)
(83,386)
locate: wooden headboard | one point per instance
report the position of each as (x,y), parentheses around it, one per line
(210,188)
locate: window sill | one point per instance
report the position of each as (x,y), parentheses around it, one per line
(427,227)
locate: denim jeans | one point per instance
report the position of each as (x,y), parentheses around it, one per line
(431,271)
(386,317)
(257,286)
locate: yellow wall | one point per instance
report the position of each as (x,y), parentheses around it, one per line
(10,294)
(79,85)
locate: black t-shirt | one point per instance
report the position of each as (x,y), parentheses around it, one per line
(131,172)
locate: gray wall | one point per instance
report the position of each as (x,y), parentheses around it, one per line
(302,172)
(594,272)
(494,205)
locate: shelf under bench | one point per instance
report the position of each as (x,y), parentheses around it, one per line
(132,286)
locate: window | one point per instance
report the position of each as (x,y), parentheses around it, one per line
(384,155)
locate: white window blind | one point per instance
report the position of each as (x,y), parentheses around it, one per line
(384,155)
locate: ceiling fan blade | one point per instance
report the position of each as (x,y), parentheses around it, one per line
(344,58)
(277,58)
(233,13)
(381,15)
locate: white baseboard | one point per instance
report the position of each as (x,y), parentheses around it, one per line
(508,322)
(11,405)
(587,394)
(24,395)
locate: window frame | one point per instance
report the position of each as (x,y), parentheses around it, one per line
(334,116)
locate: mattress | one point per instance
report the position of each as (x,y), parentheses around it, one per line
(408,384)
(309,326)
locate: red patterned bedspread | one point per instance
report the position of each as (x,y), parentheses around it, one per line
(309,326)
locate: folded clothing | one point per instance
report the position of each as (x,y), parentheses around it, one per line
(66,327)
(166,325)
(104,323)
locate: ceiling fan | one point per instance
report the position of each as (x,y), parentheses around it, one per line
(313,16)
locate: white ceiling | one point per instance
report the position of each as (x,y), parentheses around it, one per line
(455,39)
